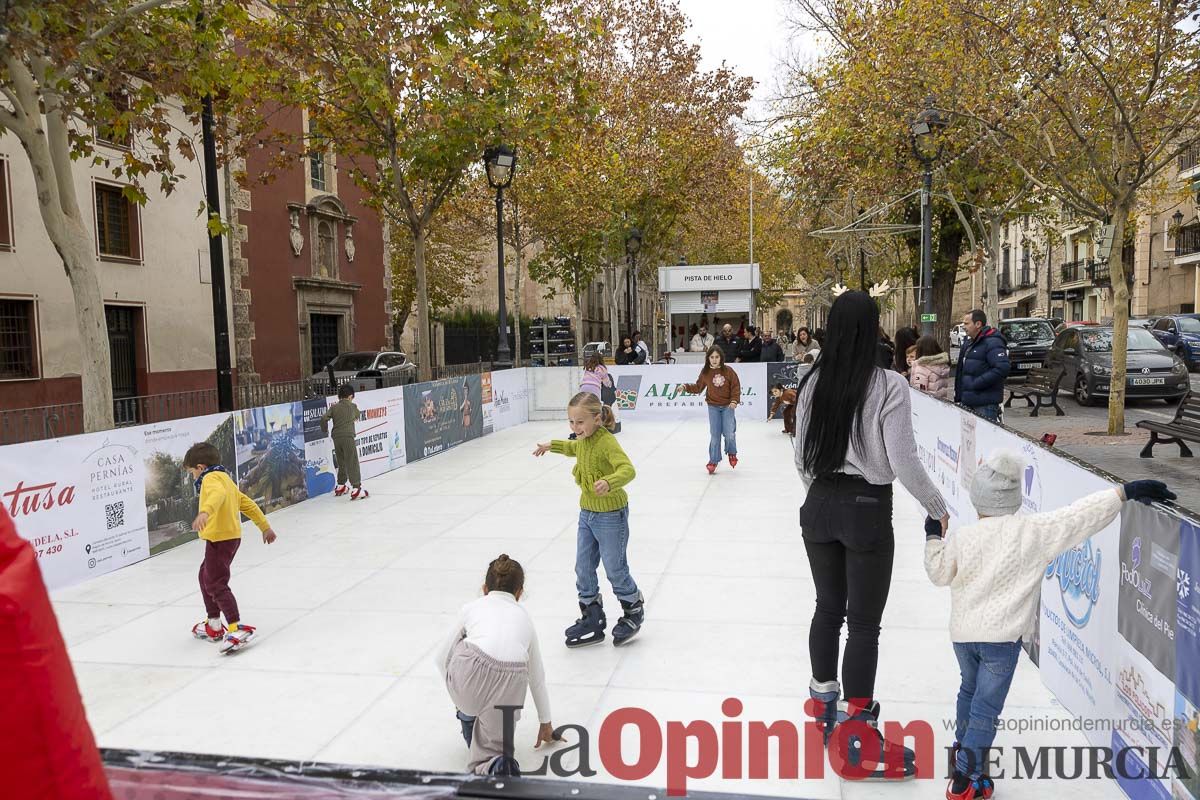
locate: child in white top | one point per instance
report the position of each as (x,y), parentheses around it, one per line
(994,569)
(490,659)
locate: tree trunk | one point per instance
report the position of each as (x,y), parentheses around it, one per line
(610,272)
(1120,289)
(424,346)
(577,293)
(73,241)
(991,270)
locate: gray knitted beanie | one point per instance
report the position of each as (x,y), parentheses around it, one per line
(996,490)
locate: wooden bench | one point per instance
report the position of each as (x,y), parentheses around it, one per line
(1186,425)
(1040,390)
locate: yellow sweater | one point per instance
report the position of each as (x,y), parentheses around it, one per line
(222,501)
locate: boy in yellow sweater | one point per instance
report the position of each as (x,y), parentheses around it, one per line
(220,526)
(601,471)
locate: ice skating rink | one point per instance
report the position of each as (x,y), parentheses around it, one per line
(352,599)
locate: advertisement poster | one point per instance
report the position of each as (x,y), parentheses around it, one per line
(787,373)
(710,300)
(510,398)
(269,446)
(379,432)
(319,473)
(1187,661)
(657,390)
(1144,720)
(485,397)
(1148,590)
(442,414)
(79,501)
(1187,741)
(171,499)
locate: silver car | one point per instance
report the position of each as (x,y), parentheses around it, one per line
(349,365)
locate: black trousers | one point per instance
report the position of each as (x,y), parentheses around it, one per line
(847,528)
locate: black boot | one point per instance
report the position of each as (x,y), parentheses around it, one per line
(630,622)
(896,762)
(589,628)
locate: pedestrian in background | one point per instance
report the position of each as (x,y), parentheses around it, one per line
(930,372)
(983,367)
(750,349)
(728,343)
(906,337)
(771,349)
(804,343)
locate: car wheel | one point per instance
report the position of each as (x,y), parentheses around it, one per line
(1082,395)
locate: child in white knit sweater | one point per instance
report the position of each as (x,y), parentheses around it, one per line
(994,569)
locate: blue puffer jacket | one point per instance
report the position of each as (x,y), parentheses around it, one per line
(982,368)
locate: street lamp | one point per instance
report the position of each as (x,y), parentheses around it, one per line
(862,258)
(633,243)
(925,131)
(500,162)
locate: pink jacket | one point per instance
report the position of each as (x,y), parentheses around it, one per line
(931,374)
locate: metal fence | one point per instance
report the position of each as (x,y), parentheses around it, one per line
(66,419)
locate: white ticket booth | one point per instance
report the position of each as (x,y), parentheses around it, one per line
(706,294)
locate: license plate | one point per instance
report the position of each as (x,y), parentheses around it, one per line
(1029,365)
(1147,381)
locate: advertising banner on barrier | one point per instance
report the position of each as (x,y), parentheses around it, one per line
(171,499)
(1149,564)
(271,460)
(379,432)
(442,414)
(319,472)
(657,390)
(79,502)
(509,404)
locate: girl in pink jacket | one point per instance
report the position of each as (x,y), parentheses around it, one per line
(931,371)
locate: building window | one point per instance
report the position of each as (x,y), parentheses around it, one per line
(116,224)
(316,159)
(326,250)
(16,340)
(6,237)
(107,134)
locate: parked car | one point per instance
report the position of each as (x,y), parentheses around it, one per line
(957,334)
(1181,334)
(1085,355)
(1029,342)
(1142,322)
(597,347)
(1057,322)
(367,364)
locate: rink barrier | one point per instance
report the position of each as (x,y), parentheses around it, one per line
(1117,633)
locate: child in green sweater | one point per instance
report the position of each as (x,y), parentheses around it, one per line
(601,470)
(344,414)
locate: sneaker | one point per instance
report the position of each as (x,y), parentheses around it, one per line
(630,622)
(711,468)
(359,493)
(202,630)
(733,460)
(236,640)
(340,490)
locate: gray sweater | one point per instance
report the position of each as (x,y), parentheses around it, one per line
(888,449)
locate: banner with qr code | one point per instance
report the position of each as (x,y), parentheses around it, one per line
(79,502)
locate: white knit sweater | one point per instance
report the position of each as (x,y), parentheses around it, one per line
(995,567)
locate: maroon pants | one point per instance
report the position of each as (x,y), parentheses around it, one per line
(214,580)
(789,418)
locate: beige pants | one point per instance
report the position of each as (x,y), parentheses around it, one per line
(477,684)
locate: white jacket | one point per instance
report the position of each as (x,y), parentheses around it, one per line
(995,567)
(701,343)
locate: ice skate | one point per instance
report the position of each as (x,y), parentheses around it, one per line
(340,490)
(712,468)
(359,494)
(733,460)
(205,632)
(823,706)
(589,628)
(630,622)
(236,640)
(896,762)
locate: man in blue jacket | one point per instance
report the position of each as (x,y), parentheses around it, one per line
(982,368)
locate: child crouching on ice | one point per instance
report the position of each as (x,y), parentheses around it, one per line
(489,660)
(994,569)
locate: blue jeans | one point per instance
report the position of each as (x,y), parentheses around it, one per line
(987,671)
(721,422)
(603,536)
(989,412)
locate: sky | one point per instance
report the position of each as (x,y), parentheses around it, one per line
(752,36)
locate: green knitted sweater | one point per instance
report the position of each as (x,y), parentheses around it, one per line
(597,457)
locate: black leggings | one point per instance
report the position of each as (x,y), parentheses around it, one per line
(847,528)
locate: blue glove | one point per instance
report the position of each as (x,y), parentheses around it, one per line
(933,528)
(1146,492)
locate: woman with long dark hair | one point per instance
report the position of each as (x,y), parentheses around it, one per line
(853,439)
(906,337)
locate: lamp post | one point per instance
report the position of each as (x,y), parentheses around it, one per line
(633,243)
(862,258)
(500,162)
(926,147)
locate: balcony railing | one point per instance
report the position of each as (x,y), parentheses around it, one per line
(1028,278)
(1187,241)
(1190,158)
(1005,287)
(1074,271)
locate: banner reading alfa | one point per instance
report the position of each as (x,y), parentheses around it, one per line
(656,390)
(80,501)
(442,414)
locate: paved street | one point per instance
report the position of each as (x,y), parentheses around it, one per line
(1118,455)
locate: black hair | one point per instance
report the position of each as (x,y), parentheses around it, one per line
(778,386)
(345,390)
(977,315)
(751,329)
(905,338)
(843,374)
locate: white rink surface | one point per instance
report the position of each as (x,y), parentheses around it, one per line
(352,599)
